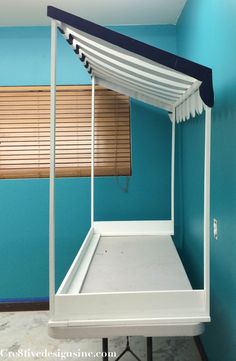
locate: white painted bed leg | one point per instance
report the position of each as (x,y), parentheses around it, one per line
(52,170)
(207,207)
(92,150)
(173,171)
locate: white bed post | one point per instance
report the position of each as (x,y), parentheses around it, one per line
(173,172)
(207,206)
(52,169)
(92,149)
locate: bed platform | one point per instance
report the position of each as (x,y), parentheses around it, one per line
(127,278)
(122,284)
(134,263)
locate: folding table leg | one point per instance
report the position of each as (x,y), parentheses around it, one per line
(127,349)
(105,349)
(149,348)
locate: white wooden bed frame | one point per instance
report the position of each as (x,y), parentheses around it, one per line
(156,312)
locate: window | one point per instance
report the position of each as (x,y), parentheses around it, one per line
(24,132)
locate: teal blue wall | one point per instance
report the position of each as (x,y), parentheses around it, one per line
(24,60)
(206,33)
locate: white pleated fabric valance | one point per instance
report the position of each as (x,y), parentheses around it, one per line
(191,107)
(136,69)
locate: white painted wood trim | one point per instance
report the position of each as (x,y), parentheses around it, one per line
(132,228)
(207,206)
(92,149)
(163,307)
(76,263)
(52,169)
(173,170)
(82,267)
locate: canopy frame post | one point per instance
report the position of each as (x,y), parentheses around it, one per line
(207,158)
(52,169)
(173,170)
(92,149)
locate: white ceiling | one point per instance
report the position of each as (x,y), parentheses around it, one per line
(105,12)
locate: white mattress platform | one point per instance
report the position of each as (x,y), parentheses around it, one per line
(131,284)
(135,263)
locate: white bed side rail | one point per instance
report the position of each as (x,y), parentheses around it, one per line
(76,263)
(156,306)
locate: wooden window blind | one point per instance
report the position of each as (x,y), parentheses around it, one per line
(25,127)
